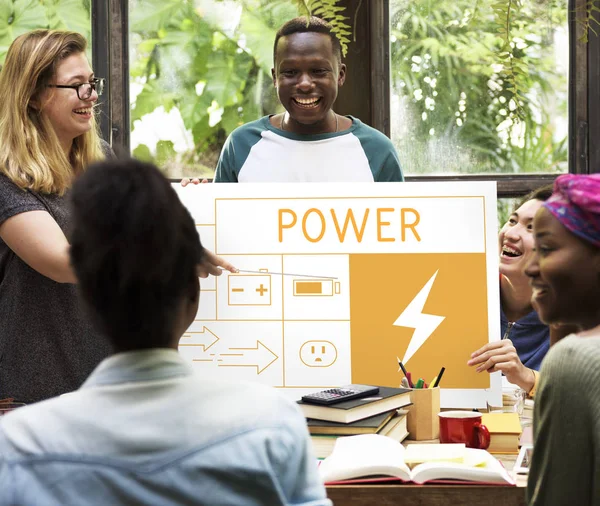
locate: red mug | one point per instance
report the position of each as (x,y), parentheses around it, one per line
(464,427)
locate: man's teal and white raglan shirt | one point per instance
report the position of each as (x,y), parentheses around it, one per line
(257,152)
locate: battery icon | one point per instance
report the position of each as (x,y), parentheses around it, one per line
(249,290)
(316,287)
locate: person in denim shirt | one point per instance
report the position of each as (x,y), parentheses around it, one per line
(144,428)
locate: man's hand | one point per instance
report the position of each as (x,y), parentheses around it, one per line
(213,264)
(503,356)
(186,180)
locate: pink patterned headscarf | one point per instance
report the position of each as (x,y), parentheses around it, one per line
(576,204)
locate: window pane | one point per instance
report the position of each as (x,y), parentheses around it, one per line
(199,70)
(20,17)
(453,111)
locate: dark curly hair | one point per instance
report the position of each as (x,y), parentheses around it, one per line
(315,25)
(134,249)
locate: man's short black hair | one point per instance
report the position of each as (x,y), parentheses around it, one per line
(315,25)
(134,249)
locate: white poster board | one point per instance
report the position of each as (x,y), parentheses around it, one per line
(372,273)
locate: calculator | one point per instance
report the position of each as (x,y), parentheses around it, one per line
(340,394)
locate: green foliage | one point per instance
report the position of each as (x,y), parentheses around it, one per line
(331,11)
(217,73)
(69,15)
(20,16)
(474,74)
(458,97)
(142,152)
(165,152)
(514,72)
(505,208)
(213,62)
(591,18)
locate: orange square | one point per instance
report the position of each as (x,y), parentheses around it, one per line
(382,286)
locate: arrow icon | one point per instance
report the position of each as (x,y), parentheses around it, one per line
(413,317)
(240,357)
(204,338)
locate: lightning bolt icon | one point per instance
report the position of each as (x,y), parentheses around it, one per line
(413,317)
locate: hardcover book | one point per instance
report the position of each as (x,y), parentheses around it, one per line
(387,399)
(369,425)
(395,428)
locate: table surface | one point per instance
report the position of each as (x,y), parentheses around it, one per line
(435,494)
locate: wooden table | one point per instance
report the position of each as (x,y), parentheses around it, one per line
(436,495)
(425,495)
(432,495)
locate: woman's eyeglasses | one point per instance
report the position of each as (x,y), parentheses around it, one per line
(84,90)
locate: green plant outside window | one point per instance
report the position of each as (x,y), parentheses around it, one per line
(469,97)
(200,68)
(20,16)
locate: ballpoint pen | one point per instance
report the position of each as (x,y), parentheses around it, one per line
(439,377)
(406,373)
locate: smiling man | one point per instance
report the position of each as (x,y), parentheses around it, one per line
(309,142)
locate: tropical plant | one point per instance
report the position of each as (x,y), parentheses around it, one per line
(591,18)
(472,77)
(333,13)
(20,16)
(216,73)
(213,63)
(457,96)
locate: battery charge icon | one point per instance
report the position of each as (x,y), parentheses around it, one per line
(316,287)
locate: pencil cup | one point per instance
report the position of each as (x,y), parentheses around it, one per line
(422,421)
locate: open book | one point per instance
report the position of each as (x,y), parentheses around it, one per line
(371,455)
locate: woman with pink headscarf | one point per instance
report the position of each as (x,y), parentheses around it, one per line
(565,278)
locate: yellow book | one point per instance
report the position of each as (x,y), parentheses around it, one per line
(505,431)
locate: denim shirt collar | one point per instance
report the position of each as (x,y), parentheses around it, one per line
(142,365)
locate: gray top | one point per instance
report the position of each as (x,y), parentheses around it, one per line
(47,346)
(565,468)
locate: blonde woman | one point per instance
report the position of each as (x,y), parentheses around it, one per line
(47,136)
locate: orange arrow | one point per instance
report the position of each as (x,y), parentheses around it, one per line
(260,354)
(204,338)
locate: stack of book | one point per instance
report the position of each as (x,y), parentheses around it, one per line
(380,414)
(505,432)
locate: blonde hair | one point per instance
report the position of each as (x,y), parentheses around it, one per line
(30,153)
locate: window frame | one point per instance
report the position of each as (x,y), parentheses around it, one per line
(110,59)
(368,63)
